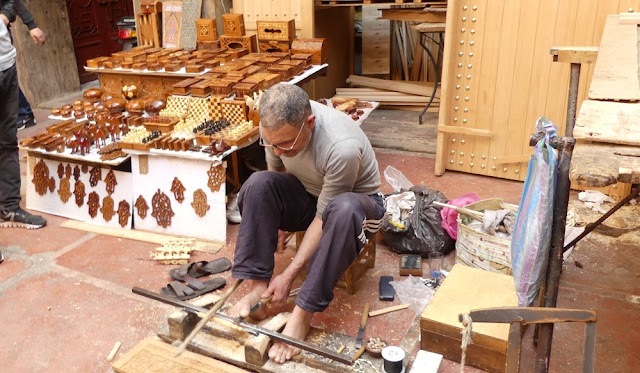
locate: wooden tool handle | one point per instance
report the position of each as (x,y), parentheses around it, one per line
(365,315)
(208,316)
(470,213)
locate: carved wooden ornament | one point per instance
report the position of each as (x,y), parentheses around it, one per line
(95,176)
(178,190)
(64,191)
(142,207)
(52,184)
(144,164)
(79,192)
(60,171)
(76,173)
(161,205)
(67,171)
(111,182)
(94,204)
(107,208)
(124,211)
(199,203)
(216,177)
(84,168)
(41,177)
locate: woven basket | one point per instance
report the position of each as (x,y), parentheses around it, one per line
(475,248)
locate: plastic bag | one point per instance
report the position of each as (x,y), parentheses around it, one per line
(413,291)
(396,179)
(532,234)
(422,232)
(450,216)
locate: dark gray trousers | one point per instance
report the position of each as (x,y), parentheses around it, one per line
(269,201)
(9,163)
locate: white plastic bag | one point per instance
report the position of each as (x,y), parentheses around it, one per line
(396,179)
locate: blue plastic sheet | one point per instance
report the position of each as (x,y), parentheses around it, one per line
(532,234)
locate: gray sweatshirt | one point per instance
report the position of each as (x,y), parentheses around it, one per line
(338,159)
(7,51)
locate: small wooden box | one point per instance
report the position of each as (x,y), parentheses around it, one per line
(193,69)
(224,57)
(231,79)
(245,89)
(127,65)
(268,61)
(206,30)
(305,57)
(95,63)
(182,87)
(233,24)
(237,53)
(274,46)
(195,61)
(209,45)
(238,42)
(285,71)
(171,67)
(210,64)
(276,30)
(148,7)
(251,57)
(297,65)
(463,290)
(112,64)
(154,67)
(317,47)
(201,88)
(139,66)
(221,87)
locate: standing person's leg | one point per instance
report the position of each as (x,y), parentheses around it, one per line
(25,113)
(9,162)
(268,201)
(347,222)
(11,215)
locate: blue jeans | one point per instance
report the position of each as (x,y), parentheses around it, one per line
(24,108)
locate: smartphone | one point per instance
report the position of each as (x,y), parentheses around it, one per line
(386,290)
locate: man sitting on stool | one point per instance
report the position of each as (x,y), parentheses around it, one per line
(322,177)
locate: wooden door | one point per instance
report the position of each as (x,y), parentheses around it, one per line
(93,29)
(498,77)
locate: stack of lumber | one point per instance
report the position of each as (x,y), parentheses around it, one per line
(390,92)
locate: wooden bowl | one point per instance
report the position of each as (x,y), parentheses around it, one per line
(92,95)
(374,352)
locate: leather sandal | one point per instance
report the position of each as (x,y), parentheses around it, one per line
(200,269)
(193,287)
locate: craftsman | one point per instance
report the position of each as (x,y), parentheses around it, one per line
(322,177)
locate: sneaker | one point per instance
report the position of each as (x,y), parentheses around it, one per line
(26,122)
(21,219)
(233,212)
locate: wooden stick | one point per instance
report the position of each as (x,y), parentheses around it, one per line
(470,213)
(388,309)
(359,353)
(208,316)
(114,351)
(339,351)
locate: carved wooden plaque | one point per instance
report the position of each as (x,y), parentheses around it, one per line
(161,209)
(216,177)
(178,189)
(124,211)
(199,203)
(142,207)
(60,171)
(94,204)
(111,182)
(95,176)
(41,177)
(107,208)
(79,192)
(64,191)
(76,173)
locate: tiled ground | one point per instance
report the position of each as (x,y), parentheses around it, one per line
(65,295)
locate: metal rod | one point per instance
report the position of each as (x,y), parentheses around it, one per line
(572,104)
(554,268)
(437,76)
(589,351)
(270,333)
(590,227)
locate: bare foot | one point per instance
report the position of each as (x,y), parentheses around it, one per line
(297,327)
(243,306)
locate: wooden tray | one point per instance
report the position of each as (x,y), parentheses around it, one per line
(137,146)
(205,140)
(162,127)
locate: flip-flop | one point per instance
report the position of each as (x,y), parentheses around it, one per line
(193,288)
(199,269)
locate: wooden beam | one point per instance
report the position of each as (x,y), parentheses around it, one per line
(417,15)
(388,309)
(390,85)
(610,122)
(513,159)
(629,18)
(532,315)
(157,238)
(464,131)
(574,54)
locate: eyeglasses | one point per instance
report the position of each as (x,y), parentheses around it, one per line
(266,145)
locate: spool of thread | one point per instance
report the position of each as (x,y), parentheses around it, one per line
(393,357)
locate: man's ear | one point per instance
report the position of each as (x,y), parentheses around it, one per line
(311,121)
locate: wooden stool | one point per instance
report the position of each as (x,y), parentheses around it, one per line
(365,260)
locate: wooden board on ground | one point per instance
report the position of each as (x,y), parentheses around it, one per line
(600,165)
(610,122)
(151,353)
(615,76)
(465,289)
(209,247)
(391,85)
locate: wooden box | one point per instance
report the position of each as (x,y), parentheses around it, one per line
(148,7)
(305,57)
(252,57)
(154,67)
(209,45)
(195,61)
(285,71)
(237,42)
(245,89)
(274,46)
(233,24)
(127,65)
(182,87)
(297,65)
(237,53)
(112,64)
(268,61)
(317,47)
(463,290)
(201,88)
(224,57)
(220,87)
(139,66)
(206,30)
(95,63)
(194,69)
(171,67)
(276,30)
(231,79)
(210,64)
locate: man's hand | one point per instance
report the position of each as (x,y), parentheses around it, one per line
(279,286)
(37,35)
(4,19)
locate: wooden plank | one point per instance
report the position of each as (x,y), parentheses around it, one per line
(389,85)
(615,76)
(157,238)
(465,131)
(415,15)
(629,18)
(376,42)
(152,353)
(49,71)
(582,55)
(388,309)
(610,122)
(599,165)
(531,315)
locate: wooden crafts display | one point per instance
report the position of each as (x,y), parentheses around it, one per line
(149,23)
(276,30)
(206,30)
(317,47)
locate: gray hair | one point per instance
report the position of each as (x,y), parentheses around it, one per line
(284,104)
